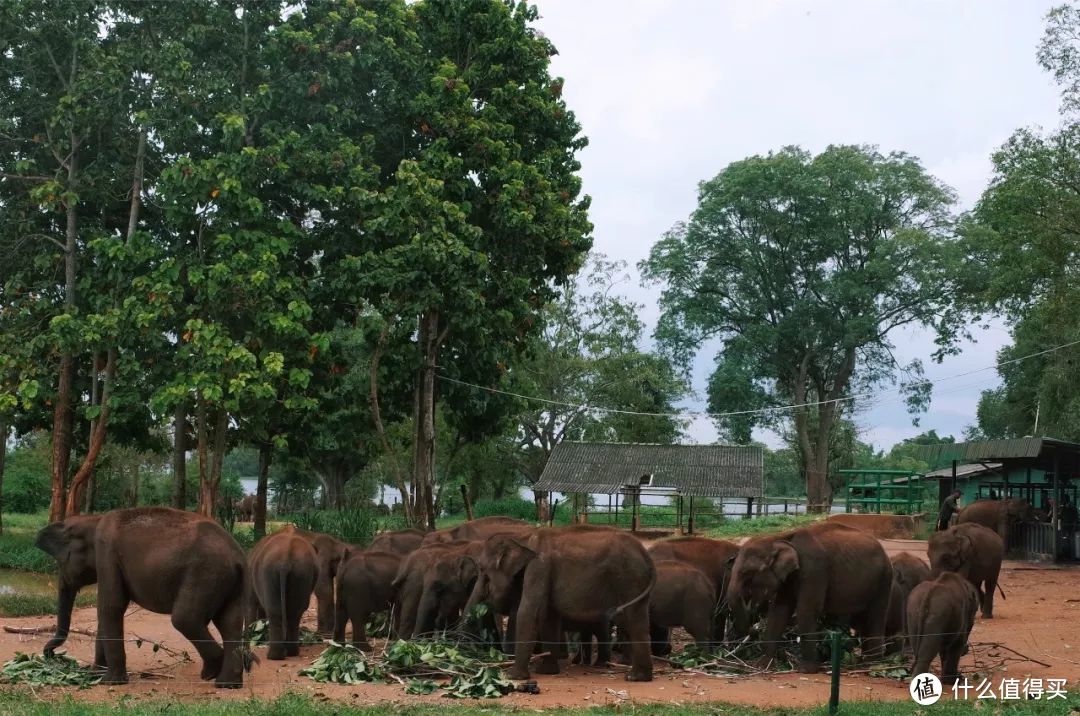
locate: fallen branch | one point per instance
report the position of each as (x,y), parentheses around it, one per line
(44,630)
(996,645)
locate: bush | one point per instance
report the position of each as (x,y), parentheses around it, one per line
(17,551)
(26,478)
(37,605)
(354,525)
(506,507)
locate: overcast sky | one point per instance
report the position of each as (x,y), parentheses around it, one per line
(669,93)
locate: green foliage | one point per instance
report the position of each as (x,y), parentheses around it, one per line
(802,266)
(354,525)
(506,507)
(257,632)
(38,670)
(17,551)
(343,664)
(761,525)
(33,605)
(26,477)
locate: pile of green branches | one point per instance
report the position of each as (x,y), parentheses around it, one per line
(57,670)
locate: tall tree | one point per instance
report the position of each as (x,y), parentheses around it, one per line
(802,267)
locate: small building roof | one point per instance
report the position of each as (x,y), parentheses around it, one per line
(1026,448)
(691,470)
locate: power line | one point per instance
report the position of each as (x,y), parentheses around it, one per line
(758,411)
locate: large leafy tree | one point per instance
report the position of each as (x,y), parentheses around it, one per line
(802,267)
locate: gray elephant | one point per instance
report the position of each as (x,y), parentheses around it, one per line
(409,585)
(1002,516)
(365,586)
(583,576)
(940,614)
(908,572)
(714,557)
(822,571)
(284,569)
(166,561)
(975,553)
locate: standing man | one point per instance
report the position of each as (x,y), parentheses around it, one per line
(948,508)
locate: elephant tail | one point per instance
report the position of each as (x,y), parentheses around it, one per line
(612,613)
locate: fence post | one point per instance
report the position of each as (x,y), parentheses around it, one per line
(834,690)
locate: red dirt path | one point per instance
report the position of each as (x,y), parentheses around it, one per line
(1040,618)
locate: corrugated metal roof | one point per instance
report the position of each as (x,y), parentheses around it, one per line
(964,471)
(982,450)
(697,470)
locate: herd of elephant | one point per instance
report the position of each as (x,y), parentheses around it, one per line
(547,582)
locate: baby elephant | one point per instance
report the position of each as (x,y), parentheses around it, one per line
(683,596)
(284,568)
(364,587)
(940,614)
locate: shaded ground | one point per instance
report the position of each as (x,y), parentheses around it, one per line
(1040,619)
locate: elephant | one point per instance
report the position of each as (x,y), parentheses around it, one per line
(975,553)
(166,561)
(329,552)
(284,568)
(580,576)
(826,570)
(715,558)
(999,515)
(446,586)
(409,585)
(364,587)
(908,572)
(683,597)
(940,614)
(479,529)
(245,509)
(400,542)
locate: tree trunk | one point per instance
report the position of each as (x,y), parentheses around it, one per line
(204,508)
(424,448)
(380,430)
(62,413)
(3,456)
(97,440)
(135,483)
(179,457)
(265,454)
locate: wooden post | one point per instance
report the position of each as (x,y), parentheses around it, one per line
(749,507)
(635,522)
(690,523)
(678,512)
(1055,519)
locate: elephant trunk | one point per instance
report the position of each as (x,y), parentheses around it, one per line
(477,596)
(65,603)
(426,613)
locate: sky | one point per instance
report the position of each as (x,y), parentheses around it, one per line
(669,93)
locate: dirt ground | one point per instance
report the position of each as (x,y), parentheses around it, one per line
(1039,619)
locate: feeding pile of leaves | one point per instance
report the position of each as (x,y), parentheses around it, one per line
(466,671)
(57,670)
(257,634)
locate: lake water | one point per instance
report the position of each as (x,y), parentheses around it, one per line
(13,581)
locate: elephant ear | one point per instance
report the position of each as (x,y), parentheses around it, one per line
(468,569)
(54,539)
(513,556)
(785,560)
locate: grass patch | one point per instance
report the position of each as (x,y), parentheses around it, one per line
(17,550)
(21,701)
(36,605)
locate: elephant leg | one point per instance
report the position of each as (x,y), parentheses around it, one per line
(701,628)
(775,622)
(806,628)
(636,620)
(510,635)
(275,629)
(926,649)
(100,660)
(190,622)
(341,620)
(872,628)
(603,644)
(230,624)
(950,661)
(660,639)
(988,597)
(324,602)
(555,643)
(409,603)
(358,615)
(530,610)
(112,603)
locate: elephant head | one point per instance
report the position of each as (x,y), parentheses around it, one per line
(448,585)
(1019,510)
(949,551)
(72,544)
(760,569)
(501,564)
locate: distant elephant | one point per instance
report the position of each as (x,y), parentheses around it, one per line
(447,585)
(245,509)
(826,570)
(479,529)
(364,587)
(940,615)
(975,553)
(409,585)
(284,569)
(329,551)
(166,561)
(908,572)
(400,542)
(1002,516)
(714,557)
(683,597)
(583,576)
